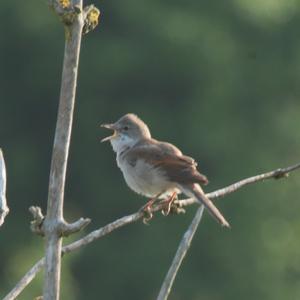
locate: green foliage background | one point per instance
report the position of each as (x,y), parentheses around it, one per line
(218,78)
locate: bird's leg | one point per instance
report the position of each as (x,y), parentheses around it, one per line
(147,209)
(166,210)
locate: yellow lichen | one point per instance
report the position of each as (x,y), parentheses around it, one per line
(64,3)
(94,15)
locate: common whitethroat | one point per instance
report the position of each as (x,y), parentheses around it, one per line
(156,169)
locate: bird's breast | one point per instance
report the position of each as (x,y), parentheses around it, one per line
(143,178)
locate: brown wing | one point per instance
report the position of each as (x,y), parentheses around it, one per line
(179,168)
(171,149)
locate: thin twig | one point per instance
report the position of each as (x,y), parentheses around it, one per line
(101,232)
(3,204)
(180,254)
(26,279)
(275,174)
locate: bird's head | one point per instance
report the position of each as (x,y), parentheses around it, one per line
(127,131)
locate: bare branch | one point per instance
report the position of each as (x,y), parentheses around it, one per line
(54,225)
(180,254)
(3,204)
(101,232)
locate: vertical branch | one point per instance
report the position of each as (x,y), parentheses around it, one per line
(3,204)
(54,223)
(179,256)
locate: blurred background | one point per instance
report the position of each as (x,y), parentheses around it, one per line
(220,79)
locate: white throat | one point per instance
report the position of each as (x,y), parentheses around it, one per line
(121,143)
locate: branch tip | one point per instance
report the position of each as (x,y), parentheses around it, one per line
(67,229)
(36,225)
(66,10)
(91,18)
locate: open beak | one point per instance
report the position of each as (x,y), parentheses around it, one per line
(112,127)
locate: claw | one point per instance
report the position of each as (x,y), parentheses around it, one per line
(148,215)
(166,210)
(146,209)
(169,202)
(146,219)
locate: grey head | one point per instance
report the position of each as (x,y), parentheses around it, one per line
(128,131)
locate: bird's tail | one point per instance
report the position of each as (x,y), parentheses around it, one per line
(194,190)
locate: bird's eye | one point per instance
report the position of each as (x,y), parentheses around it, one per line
(126,128)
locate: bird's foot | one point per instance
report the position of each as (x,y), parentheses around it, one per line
(147,211)
(148,215)
(168,204)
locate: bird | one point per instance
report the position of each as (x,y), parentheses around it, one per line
(156,169)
